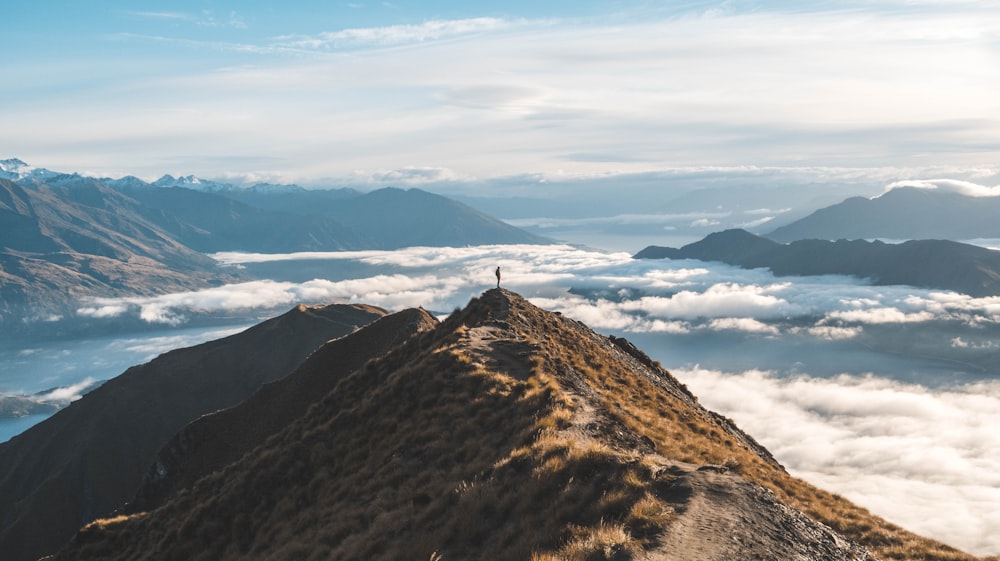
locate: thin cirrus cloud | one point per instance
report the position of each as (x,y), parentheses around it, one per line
(205,18)
(489,97)
(433,30)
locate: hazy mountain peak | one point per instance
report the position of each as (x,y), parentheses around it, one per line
(938,264)
(954,186)
(189,181)
(16,169)
(13,165)
(906,212)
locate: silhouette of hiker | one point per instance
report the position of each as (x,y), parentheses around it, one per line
(498,277)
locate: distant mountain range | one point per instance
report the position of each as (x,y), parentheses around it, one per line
(66,236)
(61,242)
(505,432)
(905,213)
(939,264)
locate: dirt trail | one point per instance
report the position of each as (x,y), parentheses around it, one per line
(724,517)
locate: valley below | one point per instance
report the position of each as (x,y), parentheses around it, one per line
(887,395)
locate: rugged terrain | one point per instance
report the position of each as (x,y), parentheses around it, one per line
(65,238)
(89,458)
(506,432)
(939,264)
(61,242)
(218,439)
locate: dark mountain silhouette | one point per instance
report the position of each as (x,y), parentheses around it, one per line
(901,214)
(218,439)
(506,432)
(940,264)
(89,458)
(72,237)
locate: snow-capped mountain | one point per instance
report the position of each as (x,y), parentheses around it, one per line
(14,169)
(194,183)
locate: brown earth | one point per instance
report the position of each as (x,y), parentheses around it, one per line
(507,432)
(218,439)
(88,459)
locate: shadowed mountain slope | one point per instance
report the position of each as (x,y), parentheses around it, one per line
(59,242)
(505,433)
(401,218)
(218,439)
(901,214)
(213,222)
(67,237)
(89,458)
(940,264)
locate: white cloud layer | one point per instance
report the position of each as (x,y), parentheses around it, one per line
(898,448)
(924,459)
(967,188)
(612,289)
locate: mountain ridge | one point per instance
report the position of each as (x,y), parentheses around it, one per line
(904,213)
(506,432)
(89,458)
(940,264)
(61,243)
(67,237)
(214,440)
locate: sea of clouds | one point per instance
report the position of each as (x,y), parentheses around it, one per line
(886,395)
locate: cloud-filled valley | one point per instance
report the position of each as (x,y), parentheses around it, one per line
(921,458)
(912,439)
(616,291)
(593,125)
(885,394)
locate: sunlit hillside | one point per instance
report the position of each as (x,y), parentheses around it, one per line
(507,432)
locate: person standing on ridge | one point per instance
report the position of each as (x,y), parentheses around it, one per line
(498,277)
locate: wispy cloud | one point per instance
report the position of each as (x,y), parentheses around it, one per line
(967,188)
(205,18)
(489,97)
(66,394)
(160,15)
(433,30)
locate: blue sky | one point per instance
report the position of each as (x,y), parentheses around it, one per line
(420,92)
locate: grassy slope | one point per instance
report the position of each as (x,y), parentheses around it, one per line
(506,433)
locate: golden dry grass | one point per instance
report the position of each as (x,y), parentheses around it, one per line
(689,434)
(430,453)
